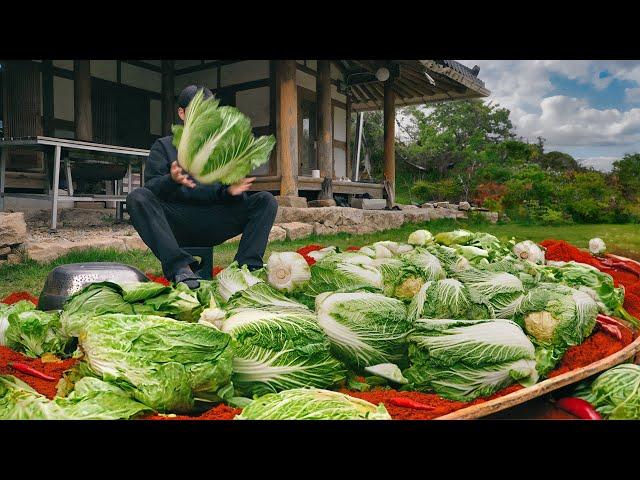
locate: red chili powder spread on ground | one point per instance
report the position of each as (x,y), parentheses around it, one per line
(559,250)
(156,279)
(352,249)
(17,296)
(54,369)
(304,251)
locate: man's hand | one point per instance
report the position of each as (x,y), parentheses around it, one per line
(178,176)
(241,187)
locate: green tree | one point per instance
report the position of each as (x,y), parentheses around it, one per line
(558,161)
(626,173)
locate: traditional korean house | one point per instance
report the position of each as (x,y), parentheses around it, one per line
(307,104)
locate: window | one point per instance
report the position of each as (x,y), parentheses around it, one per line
(307,134)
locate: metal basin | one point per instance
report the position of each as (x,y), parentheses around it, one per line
(65,280)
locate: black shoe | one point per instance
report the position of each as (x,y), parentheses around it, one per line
(188,277)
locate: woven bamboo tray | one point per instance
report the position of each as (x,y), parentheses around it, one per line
(521,396)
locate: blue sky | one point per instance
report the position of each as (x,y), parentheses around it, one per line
(587,108)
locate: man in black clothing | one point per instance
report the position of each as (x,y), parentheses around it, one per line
(173,210)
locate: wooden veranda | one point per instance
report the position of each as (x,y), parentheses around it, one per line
(306,104)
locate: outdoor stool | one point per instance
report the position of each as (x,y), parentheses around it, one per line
(206,260)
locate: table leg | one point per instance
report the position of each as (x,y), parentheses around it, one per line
(142,167)
(130,178)
(56,183)
(69,179)
(119,204)
(3,171)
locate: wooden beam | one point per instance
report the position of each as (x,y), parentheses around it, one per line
(422,87)
(287,126)
(168,96)
(389,137)
(324,121)
(413,91)
(82,100)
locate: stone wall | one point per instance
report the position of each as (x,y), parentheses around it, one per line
(292,223)
(13,233)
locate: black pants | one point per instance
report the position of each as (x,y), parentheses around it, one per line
(166,226)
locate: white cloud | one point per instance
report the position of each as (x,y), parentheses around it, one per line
(567,123)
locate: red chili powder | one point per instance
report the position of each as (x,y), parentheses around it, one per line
(352,249)
(216,270)
(15,297)
(54,369)
(304,251)
(156,279)
(559,250)
(598,345)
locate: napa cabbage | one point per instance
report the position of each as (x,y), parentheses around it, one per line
(615,393)
(163,363)
(287,271)
(312,404)
(216,144)
(556,317)
(466,359)
(278,350)
(91,399)
(6,310)
(447,298)
(35,333)
(234,279)
(364,328)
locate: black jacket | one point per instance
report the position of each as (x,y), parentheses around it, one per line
(157,178)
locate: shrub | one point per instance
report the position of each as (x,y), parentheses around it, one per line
(443,190)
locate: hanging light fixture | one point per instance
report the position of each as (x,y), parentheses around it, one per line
(382,74)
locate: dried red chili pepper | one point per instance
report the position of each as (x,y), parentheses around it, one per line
(611,330)
(408,403)
(27,370)
(620,266)
(578,407)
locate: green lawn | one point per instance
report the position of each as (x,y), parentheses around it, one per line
(621,239)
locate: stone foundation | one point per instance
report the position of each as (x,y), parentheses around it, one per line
(80,230)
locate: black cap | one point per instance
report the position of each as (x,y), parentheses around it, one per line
(189,92)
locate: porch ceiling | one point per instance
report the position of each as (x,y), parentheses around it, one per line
(451,81)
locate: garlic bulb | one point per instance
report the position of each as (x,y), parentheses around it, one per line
(287,271)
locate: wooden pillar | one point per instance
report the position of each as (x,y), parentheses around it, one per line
(325,123)
(47,98)
(389,137)
(168,96)
(82,99)
(348,136)
(287,126)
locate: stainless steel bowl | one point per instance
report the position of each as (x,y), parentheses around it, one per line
(65,280)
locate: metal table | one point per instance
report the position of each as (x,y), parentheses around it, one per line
(133,156)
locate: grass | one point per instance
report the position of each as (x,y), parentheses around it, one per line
(621,239)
